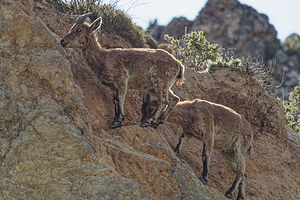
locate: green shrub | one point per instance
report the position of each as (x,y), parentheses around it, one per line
(227,63)
(73,6)
(292,44)
(292,110)
(83,6)
(194,51)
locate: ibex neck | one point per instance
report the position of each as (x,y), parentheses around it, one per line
(175,117)
(93,48)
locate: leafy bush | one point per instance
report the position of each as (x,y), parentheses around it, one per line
(73,6)
(292,110)
(227,63)
(83,6)
(194,51)
(292,44)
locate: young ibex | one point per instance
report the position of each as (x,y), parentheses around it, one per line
(218,127)
(152,70)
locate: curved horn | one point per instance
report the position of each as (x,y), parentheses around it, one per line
(82,18)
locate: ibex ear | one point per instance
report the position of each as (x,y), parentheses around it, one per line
(96,24)
(82,18)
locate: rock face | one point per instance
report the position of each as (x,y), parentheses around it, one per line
(286,68)
(54,117)
(247,32)
(175,28)
(237,26)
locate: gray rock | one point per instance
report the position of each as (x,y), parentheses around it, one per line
(176,27)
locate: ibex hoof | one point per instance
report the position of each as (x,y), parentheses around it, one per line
(160,121)
(229,195)
(115,124)
(145,124)
(176,152)
(203,180)
(154,125)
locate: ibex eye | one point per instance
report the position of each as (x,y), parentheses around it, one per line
(78,30)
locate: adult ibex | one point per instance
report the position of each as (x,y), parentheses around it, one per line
(152,70)
(218,127)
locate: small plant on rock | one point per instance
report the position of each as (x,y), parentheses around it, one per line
(227,63)
(194,51)
(292,44)
(292,110)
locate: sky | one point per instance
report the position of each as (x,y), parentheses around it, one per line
(283,14)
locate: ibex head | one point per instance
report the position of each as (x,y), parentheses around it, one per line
(149,106)
(79,33)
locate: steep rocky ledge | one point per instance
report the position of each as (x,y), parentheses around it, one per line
(54,140)
(48,147)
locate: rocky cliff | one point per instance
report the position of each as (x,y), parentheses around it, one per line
(249,33)
(54,136)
